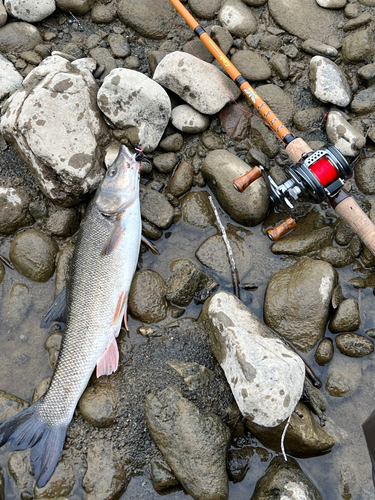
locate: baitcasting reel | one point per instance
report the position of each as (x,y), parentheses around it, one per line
(314,178)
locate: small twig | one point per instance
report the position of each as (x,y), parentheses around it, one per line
(76,20)
(283,437)
(236,289)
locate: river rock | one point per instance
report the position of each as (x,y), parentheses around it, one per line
(78,7)
(266,391)
(280,101)
(346,138)
(367,73)
(222,38)
(10,79)
(304,438)
(173,142)
(220,168)
(306,119)
(238,462)
(358,46)
(33,254)
(297,302)
(358,22)
(285,480)
(165,162)
(119,46)
(194,375)
(130,99)
(196,210)
(346,318)
(186,76)
(324,352)
(182,180)
(104,61)
(17,305)
(235,122)
(65,97)
(105,476)
(365,175)
(62,222)
(354,345)
(264,139)
(60,483)
(19,469)
(3,14)
(41,389)
(338,383)
(10,405)
(104,13)
(205,9)
(364,101)
(29,10)
(193,443)
(98,404)
(336,256)
(280,64)
(52,345)
(19,37)
(305,20)
(155,207)
(319,49)
(146,17)
(186,280)
(147,297)
(162,477)
(251,65)
(302,244)
(328,82)
(189,120)
(332,4)
(14,204)
(237,18)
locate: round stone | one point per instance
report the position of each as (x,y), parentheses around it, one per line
(147,297)
(354,345)
(98,405)
(324,352)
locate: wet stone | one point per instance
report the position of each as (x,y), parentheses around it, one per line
(354,345)
(302,244)
(263,138)
(365,175)
(239,463)
(150,231)
(251,65)
(63,267)
(195,375)
(358,46)
(172,142)
(10,405)
(308,118)
(212,141)
(337,383)
(182,180)
(147,297)
(162,477)
(98,404)
(155,207)
(61,482)
(62,222)
(336,256)
(346,318)
(185,282)
(196,210)
(14,213)
(364,101)
(52,345)
(33,254)
(19,469)
(343,233)
(367,73)
(235,122)
(324,352)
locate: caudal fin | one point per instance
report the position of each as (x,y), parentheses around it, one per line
(25,430)
(369,431)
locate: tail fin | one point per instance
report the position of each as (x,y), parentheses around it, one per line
(25,430)
(369,431)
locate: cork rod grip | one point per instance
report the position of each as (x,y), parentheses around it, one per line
(353,215)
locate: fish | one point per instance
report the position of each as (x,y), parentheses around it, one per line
(96,297)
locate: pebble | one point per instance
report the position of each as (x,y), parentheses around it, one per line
(357,46)
(156,208)
(309,118)
(336,256)
(237,18)
(343,233)
(162,477)
(104,13)
(130,99)
(19,469)
(172,142)
(196,48)
(302,244)
(251,65)
(196,210)
(147,297)
(104,60)
(346,318)
(41,389)
(63,267)
(3,14)
(10,405)
(33,254)
(270,42)
(150,231)
(337,383)
(219,169)
(10,80)
(180,429)
(328,82)
(265,390)
(364,101)
(132,62)
(52,345)
(341,134)
(297,302)
(351,10)
(63,222)
(61,482)
(118,45)
(316,48)
(18,37)
(98,404)
(14,203)
(280,64)
(324,352)
(358,22)
(205,9)
(187,279)
(367,73)
(77,7)
(354,345)
(189,120)
(165,162)
(332,4)
(181,72)
(182,180)
(30,11)
(365,175)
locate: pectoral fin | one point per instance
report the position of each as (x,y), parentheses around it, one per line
(150,245)
(108,361)
(115,237)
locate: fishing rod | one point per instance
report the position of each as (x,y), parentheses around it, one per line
(314,176)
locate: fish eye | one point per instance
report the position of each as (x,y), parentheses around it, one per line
(112,172)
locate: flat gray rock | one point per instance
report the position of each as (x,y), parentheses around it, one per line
(31,11)
(328,82)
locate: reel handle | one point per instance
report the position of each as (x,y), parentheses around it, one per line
(241,183)
(282,229)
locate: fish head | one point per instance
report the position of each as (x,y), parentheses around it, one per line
(120,186)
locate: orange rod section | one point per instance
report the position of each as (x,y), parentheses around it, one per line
(233,72)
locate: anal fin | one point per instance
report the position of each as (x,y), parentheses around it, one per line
(108,361)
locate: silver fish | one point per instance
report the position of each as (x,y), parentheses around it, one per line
(103,266)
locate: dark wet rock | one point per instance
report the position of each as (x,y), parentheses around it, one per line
(18,37)
(61,482)
(344,136)
(197,210)
(165,162)
(239,463)
(105,476)
(98,404)
(17,306)
(33,254)
(186,76)
(222,38)
(304,438)
(365,175)
(297,302)
(306,119)
(52,345)
(336,256)
(346,318)
(358,46)
(162,477)
(172,142)
(263,138)
(19,469)
(195,375)
(364,101)
(328,82)
(193,443)
(10,405)
(63,267)
(279,101)
(280,64)
(237,18)
(235,122)
(119,45)
(337,383)
(219,169)
(150,231)
(130,99)
(251,65)
(186,280)
(285,479)
(265,390)
(305,20)
(14,212)
(155,208)
(302,244)
(104,12)
(324,352)
(62,222)
(316,48)
(182,180)
(343,233)
(212,141)
(189,120)
(354,345)
(147,297)
(337,296)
